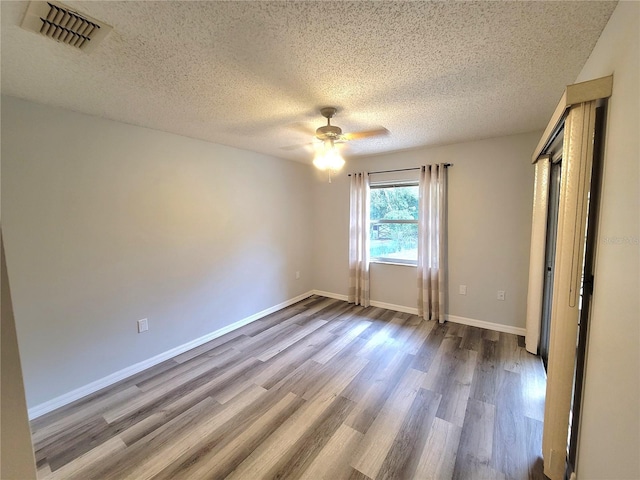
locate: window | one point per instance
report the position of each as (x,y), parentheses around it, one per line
(393,234)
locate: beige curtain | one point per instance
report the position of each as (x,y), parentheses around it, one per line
(432,242)
(537,255)
(359,240)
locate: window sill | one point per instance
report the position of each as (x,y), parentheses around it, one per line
(384,262)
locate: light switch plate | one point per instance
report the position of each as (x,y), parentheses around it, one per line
(143,325)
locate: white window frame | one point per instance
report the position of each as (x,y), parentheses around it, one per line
(388,260)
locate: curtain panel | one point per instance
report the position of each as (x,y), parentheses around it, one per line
(432,242)
(359,239)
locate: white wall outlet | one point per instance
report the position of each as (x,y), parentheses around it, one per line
(143,325)
(462,290)
(500,294)
(297,275)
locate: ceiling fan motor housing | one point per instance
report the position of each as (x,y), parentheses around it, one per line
(327,132)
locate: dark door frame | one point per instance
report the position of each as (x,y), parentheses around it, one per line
(587,284)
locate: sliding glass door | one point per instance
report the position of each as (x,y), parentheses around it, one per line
(560,281)
(550,256)
(586,288)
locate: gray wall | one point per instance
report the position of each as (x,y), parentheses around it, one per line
(490,202)
(106,223)
(16,451)
(610,428)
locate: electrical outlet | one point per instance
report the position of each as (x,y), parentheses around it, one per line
(297,275)
(463,290)
(500,294)
(143,325)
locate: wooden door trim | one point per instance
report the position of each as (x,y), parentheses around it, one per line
(573,95)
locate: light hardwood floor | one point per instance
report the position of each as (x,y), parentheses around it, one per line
(319,390)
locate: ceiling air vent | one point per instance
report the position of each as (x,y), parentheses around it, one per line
(65,25)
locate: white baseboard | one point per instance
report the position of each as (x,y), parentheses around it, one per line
(472,322)
(78,393)
(395,308)
(388,306)
(498,327)
(337,296)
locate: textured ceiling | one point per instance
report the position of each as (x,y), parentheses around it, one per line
(253,74)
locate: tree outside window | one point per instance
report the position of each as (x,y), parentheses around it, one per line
(394,224)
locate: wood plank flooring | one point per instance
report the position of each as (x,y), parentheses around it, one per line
(319,390)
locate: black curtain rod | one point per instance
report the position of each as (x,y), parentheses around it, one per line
(400,170)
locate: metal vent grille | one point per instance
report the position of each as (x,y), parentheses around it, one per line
(61,23)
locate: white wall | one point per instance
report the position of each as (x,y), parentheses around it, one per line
(106,223)
(490,202)
(609,441)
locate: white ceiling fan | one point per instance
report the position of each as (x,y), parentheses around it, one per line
(327,155)
(333,132)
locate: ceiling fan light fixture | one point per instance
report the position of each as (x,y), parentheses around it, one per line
(319,162)
(334,159)
(328,157)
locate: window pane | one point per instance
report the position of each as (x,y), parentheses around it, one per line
(388,241)
(392,241)
(394,203)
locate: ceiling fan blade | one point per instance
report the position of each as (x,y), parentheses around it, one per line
(365,134)
(302,128)
(294,147)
